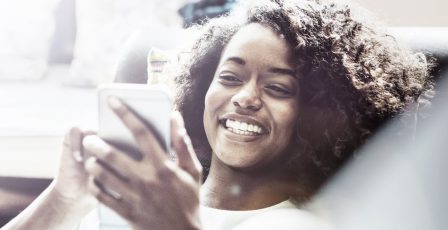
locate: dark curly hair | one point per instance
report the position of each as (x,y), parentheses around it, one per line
(352,78)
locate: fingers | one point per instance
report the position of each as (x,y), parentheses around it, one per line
(115,202)
(73,141)
(148,143)
(112,159)
(181,144)
(107,183)
(110,171)
(75,137)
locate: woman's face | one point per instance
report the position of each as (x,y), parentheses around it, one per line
(251,106)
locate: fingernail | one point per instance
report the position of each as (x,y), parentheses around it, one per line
(182,132)
(187,140)
(179,119)
(78,156)
(95,144)
(87,141)
(90,162)
(114,102)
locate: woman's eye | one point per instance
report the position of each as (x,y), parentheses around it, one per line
(279,91)
(229,79)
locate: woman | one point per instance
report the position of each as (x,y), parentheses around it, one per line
(350,80)
(276,98)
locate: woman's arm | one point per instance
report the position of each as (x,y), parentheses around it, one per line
(66,200)
(49,211)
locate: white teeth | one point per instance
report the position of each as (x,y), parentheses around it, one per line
(237,125)
(242,128)
(229,123)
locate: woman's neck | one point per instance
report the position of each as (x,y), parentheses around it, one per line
(232,189)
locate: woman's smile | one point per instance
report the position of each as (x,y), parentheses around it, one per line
(242,128)
(243,125)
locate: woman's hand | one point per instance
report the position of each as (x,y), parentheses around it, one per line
(67,200)
(70,184)
(155,191)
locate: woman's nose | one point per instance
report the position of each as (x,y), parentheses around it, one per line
(247,97)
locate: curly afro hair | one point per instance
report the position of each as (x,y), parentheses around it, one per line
(352,78)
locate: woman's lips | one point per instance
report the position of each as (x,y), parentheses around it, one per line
(242,126)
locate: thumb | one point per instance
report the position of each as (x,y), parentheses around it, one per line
(181,144)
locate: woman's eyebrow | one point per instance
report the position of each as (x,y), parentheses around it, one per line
(237,60)
(276,70)
(283,71)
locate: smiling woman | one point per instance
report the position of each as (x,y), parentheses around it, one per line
(314,80)
(250,90)
(247,93)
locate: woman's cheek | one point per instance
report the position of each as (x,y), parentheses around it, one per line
(286,115)
(217,95)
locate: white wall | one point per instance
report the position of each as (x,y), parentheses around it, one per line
(409,12)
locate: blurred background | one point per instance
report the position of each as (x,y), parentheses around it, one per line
(54,53)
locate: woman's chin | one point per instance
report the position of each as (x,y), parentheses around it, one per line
(239,158)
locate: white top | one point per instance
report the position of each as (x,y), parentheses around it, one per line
(284,215)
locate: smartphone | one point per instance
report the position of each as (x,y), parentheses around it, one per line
(153,106)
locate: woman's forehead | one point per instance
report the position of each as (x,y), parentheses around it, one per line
(257,40)
(257,32)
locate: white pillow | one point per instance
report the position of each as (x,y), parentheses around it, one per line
(26,31)
(103,26)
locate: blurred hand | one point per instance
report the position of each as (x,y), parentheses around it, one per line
(70,184)
(67,200)
(152,192)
